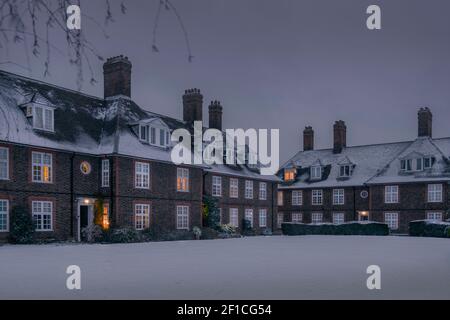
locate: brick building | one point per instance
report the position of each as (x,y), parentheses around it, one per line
(392,182)
(65,156)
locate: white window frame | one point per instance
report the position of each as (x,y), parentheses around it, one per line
(38,204)
(338,217)
(216,189)
(234,217)
(434,216)
(297,217)
(280,199)
(338,197)
(46,111)
(435,192)
(280,219)
(40,165)
(430,163)
(248,189)
(249,216)
(297,197)
(262,215)
(391,194)
(316,217)
(262,191)
(345,171)
(182,217)
(317,197)
(141,216)
(234,188)
(392,220)
(5,213)
(146,130)
(183,184)
(316,173)
(105,173)
(5,162)
(142,176)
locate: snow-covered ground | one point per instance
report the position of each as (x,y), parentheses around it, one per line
(279,267)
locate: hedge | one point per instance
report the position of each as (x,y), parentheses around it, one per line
(348,228)
(429,228)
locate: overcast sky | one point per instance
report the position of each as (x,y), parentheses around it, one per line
(279,63)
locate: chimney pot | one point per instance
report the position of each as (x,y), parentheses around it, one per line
(215,115)
(117,76)
(339,136)
(192,105)
(425,122)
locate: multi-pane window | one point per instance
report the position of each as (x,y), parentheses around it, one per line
(435,216)
(316,173)
(280,219)
(391,219)
(345,171)
(105,216)
(297,198)
(183,217)
(4,163)
(289,174)
(143,133)
(4,216)
(141,216)
(217,186)
(296,217)
(234,188)
(43,118)
(391,194)
(153,135)
(42,212)
(183,179)
(435,193)
(316,217)
(317,197)
(338,196)
(262,191)
(280,198)
(105,173)
(162,137)
(262,218)
(249,216)
(142,175)
(248,189)
(338,218)
(42,167)
(234,217)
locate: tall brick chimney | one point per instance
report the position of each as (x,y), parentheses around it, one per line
(308,139)
(425,118)
(339,136)
(215,115)
(117,76)
(192,105)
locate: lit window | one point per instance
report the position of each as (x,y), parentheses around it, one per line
(391,219)
(142,175)
(105,216)
(141,216)
(105,173)
(280,198)
(234,188)
(363,216)
(262,191)
(338,218)
(435,193)
(345,171)
(434,216)
(297,198)
(249,216)
(316,218)
(280,219)
(296,217)
(182,179)
(4,163)
(183,217)
(317,197)
(42,212)
(316,173)
(4,215)
(248,189)
(391,194)
(43,118)
(234,217)
(42,167)
(338,196)
(217,186)
(262,218)
(289,174)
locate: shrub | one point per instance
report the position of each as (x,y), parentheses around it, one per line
(266,232)
(448,232)
(247,225)
(209,233)
(123,235)
(21,226)
(428,228)
(211,213)
(92,233)
(349,228)
(197,232)
(227,228)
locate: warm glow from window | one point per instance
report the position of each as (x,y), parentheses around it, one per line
(46,171)
(105,220)
(289,174)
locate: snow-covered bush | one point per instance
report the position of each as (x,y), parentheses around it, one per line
(429,228)
(266,232)
(92,233)
(209,233)
(124,235)
(348,228)
(21,226)
(197,232)
(227,228)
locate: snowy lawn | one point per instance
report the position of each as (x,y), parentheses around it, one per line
(278,267)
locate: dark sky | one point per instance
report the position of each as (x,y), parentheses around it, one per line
(280,63)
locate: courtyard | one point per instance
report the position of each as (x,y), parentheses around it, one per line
(276,267)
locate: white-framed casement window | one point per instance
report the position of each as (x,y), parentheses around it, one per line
(217,186)
(338,218)
(4,215)
(297,198)
(249,216)
(262,191)
(262,218)
(317,197)
(280,220)
(105,173)
(289,174)
(391,219)
(391,194)
(435,216)
(183,179)
(248,189)
(435,192)
(42,164)
(316,217)
(234,217)
(141,216)
(428,162)
(43,118)
(4,163)
(42,212)
(234,188)
(296,217)
(316,173)
(143,133)
(142,175)
(183,217)
(345,171)
(280,200)
(338,196)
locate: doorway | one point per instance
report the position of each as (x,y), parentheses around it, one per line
(85,215)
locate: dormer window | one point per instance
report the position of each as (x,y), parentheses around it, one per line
(289,174)
(154,132)
(428,162)
(345,171)
(417,164)
(143,133)
(316,173)
(43,118)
